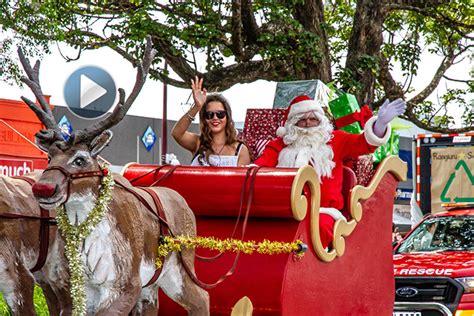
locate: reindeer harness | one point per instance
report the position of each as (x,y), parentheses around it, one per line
(156,211)
(45,222)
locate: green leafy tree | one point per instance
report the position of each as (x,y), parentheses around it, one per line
(354,43)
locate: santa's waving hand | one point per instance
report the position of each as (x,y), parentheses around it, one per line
(387,112)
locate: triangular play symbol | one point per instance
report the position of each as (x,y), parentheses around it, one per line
(90,91)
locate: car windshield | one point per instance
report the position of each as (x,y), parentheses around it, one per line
(441,234)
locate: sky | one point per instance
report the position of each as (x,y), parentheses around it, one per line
(260,94)
(55,70)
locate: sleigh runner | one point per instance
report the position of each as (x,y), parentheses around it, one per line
(355,276)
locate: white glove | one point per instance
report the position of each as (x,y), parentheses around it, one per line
(387,112)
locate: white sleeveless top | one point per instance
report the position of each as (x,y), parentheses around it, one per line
(219,160)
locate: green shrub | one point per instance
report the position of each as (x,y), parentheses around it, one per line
(40,304)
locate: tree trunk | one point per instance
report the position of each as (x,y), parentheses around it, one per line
(365,42)
(311,15)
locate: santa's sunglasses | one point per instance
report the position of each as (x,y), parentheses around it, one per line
(209,115)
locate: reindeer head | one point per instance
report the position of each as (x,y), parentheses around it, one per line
(73,169)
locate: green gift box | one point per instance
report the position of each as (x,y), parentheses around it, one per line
(344,105)
(390,148)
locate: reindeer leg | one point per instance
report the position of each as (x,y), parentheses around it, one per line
(51,299)
(195,296)
(19,294)
(148,302)
(179,286)
(124,302)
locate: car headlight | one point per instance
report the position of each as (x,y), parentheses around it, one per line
(467,283)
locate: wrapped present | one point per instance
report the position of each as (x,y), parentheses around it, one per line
(390,148)
(363,167)
(347,114)
(288,90)
(260,127)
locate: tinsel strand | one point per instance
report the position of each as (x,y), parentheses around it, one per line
(74,235)
(169,244)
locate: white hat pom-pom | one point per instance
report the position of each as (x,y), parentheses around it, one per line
(281,131)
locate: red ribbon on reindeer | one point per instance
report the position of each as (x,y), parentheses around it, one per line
(361,116)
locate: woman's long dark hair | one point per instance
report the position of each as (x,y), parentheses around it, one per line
(205,144)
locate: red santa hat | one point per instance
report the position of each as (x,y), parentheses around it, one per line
(300,104)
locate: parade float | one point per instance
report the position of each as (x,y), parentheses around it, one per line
(354,276)
(259,228)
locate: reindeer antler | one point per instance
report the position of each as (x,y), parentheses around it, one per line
(44,112)
(87,134)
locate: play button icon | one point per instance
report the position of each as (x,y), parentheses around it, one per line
(89,92)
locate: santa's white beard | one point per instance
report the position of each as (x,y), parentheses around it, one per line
(308,146)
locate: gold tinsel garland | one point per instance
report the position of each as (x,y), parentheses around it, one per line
(74,235)
(169,244)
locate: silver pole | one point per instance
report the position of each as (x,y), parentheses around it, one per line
(161,160)
(138,149)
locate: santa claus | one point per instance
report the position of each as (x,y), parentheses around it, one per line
(307,137)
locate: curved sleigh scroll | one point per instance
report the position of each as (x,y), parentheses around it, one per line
(299,204)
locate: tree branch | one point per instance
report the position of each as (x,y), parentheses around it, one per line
(411,116)
(109,42)
(172,10)
(246,72)
(178,63)
(428,11)
(457,80)
(391,88)
(394,91)
(445,64)
(311,16)
(365,42)
(236,21)
(249,24)
(413,5)
(155,73)
(218,79)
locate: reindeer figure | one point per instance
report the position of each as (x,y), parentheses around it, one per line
(118,254)
(20,247)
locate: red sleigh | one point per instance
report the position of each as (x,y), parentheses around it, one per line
(354,278)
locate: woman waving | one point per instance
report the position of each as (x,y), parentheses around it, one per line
(217,145)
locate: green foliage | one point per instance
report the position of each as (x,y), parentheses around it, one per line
(339,20)
(3,307)
(345,78)
(437,115)
(40,304)
(284,42)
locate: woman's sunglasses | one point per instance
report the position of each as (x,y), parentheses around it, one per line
(209,115)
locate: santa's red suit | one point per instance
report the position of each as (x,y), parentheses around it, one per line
(344,146)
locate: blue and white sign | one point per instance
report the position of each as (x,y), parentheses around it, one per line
(403,194)
(65,126)
(149,138)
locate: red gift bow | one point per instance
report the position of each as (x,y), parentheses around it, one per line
(362,117)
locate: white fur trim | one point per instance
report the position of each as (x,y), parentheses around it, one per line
(370,136)
(281,131)
(331,211)
(305,106)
